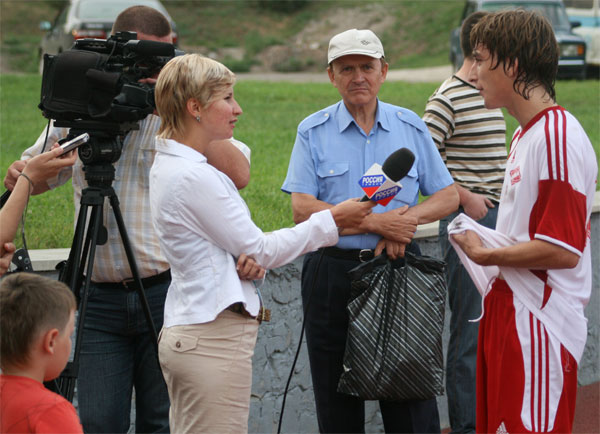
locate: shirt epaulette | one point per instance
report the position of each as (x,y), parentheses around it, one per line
(314,120)
(411,118)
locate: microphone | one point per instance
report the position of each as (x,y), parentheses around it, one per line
(151,48)
(380,183)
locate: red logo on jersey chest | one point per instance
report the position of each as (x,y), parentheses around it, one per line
(515,175)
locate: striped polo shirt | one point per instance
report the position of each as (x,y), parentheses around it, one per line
(471,139)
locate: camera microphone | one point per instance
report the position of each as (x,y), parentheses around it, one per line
(151,48)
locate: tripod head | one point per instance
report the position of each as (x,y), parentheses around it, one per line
(102,149)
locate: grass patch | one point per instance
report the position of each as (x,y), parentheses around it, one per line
(421,34)
(19,32)
(272,112)
(50,215)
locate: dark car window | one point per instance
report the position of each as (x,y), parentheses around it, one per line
(553,11)
(61,18)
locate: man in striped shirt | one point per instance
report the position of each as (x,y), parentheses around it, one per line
(533,331)
(472,142)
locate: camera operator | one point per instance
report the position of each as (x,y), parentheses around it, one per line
(117,352)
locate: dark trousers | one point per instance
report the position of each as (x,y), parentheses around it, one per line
(326,330)
(118,355)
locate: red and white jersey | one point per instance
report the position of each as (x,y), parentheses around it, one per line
(548,191)
(547,194)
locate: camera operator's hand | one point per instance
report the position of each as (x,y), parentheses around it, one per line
(351,212)
(151,81)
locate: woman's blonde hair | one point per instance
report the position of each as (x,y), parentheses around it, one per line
(185,77)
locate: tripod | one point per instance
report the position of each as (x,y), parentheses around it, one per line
(99,176)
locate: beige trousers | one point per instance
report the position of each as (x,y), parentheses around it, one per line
(208,371)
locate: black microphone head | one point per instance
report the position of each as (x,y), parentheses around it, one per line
(398,164)
(151,48)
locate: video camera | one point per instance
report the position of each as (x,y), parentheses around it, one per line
(95,87)
(98,80)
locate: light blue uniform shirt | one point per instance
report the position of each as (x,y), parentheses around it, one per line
(332,153)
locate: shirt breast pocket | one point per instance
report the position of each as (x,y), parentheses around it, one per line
(410,190)
(333,181)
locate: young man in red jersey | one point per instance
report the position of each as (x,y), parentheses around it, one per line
(533,329)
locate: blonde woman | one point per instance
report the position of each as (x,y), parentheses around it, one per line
(208,337)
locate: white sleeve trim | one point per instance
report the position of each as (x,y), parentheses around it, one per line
(558,243)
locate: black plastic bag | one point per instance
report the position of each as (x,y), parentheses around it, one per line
(396,317)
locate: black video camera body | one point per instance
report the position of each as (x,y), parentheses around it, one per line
(97,80)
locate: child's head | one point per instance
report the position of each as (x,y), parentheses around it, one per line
(35,310)
(521,39)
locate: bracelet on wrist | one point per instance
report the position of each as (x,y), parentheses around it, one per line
(29,180)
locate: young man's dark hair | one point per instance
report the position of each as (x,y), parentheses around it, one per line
(537,58)
(465,32)
(142,19)
(472,142)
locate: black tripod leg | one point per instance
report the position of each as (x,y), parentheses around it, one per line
(68,275)
(72,371)
(65,384)
(114,203)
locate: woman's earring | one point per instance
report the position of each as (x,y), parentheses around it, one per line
(198,118)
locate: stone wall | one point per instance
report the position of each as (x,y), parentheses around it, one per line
(278,340)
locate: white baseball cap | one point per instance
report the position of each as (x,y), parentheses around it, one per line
(354,41)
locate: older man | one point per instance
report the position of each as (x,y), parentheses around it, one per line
(334,147)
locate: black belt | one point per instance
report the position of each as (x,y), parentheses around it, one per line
(130,284)
(358,255)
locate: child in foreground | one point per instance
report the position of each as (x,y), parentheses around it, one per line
(37,318)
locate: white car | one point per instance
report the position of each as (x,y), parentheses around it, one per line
(588,15)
